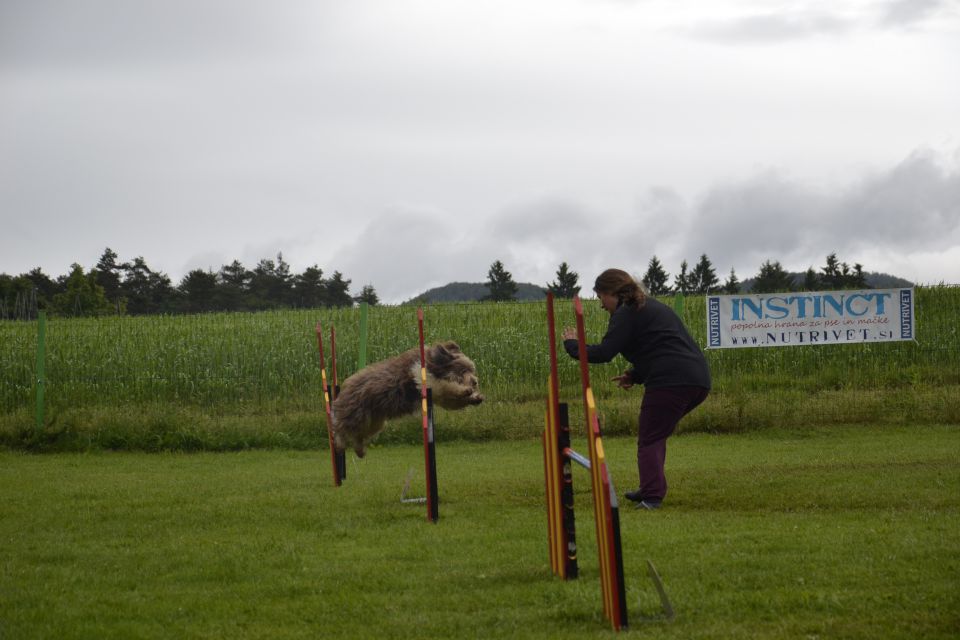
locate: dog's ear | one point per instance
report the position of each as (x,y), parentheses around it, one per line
(439,356)
(445,360)
(451,346)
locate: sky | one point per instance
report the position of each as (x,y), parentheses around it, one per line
(411,143)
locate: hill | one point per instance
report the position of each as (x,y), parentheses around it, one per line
(475,291)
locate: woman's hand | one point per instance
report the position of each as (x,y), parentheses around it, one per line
(569,333)
(624,380)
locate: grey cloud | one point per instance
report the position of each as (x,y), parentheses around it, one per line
(798,24)
(914,206)
(543,233)
(771,28)
(115,32)
(662,216)
(765,217)
(548,218)
(408,250)
(905,13)
(405,251)
(532,238)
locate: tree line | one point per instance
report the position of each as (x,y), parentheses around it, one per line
(113,287)
(701,279)
(133,288)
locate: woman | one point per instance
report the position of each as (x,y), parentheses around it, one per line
(664,358)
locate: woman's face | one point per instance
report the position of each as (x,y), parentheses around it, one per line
(608,301)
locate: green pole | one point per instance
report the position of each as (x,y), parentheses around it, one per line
(41,359)
(363,336)
(678,303)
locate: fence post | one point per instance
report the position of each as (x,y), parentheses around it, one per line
(362,362)
(41,369)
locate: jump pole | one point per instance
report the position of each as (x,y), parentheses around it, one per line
(342,455)
(606,507)
(338,460)
(362,358)
(429,446)
(558,456)
(561,521)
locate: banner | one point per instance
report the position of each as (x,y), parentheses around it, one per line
(810,318)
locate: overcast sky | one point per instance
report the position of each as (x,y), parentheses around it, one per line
(411,143)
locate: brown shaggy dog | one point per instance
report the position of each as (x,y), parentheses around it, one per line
(391,388)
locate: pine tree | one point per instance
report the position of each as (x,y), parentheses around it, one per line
(500,284)
(369,295)
(146,291)
(338,291)
(656,278)
(108,276)
(832,278)
(772,278)
(234,280)
(681,282)
(839,275)
(703,278)
(198,291)
(566,285)
(281,293)
(811,282)
(858,280)
(732,285)
(309,288)
(271,284)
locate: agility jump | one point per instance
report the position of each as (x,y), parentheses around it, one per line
(557,457)
(338,459)
(330,393)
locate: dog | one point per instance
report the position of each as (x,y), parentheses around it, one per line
(391,388)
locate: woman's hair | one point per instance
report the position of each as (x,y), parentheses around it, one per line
(621,284)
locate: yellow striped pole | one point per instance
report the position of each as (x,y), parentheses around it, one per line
(339,470)
(557,457)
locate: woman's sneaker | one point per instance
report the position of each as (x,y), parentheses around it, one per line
(642,503)
(649,504)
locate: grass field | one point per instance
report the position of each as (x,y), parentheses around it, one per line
(222,382)
(840,532)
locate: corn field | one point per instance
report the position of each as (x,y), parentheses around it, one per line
(267,363)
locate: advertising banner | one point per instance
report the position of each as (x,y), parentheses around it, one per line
(810,318)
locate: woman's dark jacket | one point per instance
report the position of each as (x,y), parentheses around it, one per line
(653,340)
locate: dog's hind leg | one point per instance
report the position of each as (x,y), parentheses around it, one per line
(373,429)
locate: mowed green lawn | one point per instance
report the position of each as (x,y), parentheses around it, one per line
(847,532)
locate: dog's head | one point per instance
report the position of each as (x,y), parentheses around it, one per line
(455,384)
